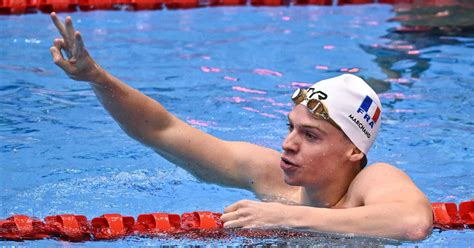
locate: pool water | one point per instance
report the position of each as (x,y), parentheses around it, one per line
(228,71)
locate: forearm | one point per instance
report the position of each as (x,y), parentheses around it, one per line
(137,114)
(394,220)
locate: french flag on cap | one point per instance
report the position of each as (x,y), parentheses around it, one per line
(371,108)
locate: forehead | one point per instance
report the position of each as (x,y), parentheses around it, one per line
(300,111)
(301,114)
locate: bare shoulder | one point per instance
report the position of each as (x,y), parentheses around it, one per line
(382,173)
(382,182)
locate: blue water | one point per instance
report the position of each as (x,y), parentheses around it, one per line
(230,72)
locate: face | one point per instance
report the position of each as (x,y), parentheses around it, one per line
(315,152)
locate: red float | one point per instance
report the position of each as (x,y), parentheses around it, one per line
(342,2)
(88,5)
(314,2)
(201,220)
(466,212)
(112,226)
(22,227)
(157,223)
(395,1)
(445,215)
(267,2)
(48,6)
(17,6)
(146,4)
(182,4)
(227,2)
(68,227)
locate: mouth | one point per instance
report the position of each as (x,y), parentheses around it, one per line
(287,165)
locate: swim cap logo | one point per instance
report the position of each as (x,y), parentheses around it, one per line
(370,111)
(321,95)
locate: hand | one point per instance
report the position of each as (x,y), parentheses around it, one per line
(79,65)
(254,214)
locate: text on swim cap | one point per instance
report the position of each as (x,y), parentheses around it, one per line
(370,111)
(360,125)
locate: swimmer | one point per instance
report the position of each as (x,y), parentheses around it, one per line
(321,170)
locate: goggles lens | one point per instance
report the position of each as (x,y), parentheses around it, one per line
(315,106)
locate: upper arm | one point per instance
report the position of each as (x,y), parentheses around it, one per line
(384,188)
(381,185)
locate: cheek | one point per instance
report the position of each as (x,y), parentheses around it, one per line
(323,158)
(316,161)
(321,152)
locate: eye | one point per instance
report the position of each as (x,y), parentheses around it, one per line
(290,127)
(311,136)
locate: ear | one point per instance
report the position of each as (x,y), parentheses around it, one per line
(355,154)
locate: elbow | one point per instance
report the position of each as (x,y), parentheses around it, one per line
(418,227)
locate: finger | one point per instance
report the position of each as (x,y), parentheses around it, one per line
(232,207)
(69,27)
(58,25)
(237,205)
(230,216)
(59,43)
(58,57)
(79,47)
(62,46)
(64,34)
(234,224)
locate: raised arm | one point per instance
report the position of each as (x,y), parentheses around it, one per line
(234,164)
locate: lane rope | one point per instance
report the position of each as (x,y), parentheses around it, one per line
(48,6)
(199,224)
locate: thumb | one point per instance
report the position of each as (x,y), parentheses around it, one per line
(58,56)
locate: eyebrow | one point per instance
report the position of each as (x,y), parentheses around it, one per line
(308,126)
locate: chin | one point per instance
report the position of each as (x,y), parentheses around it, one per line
(292,181)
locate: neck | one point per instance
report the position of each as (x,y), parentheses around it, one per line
(330,195)
(322,199)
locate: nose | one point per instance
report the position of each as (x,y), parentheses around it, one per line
(290,144)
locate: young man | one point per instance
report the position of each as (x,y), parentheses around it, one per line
(320,171)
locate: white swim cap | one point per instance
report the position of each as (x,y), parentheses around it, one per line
(350,102)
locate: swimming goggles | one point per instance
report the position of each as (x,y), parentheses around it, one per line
(314,105)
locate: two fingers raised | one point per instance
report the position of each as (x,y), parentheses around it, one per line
(66,31)
(71,43)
